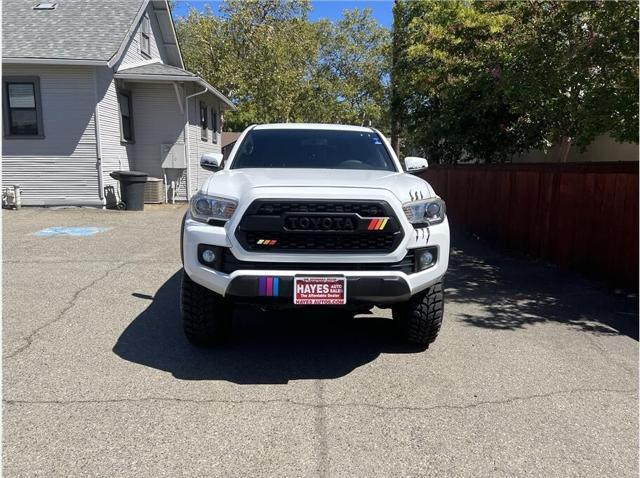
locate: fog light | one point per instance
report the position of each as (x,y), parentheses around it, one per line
(208,255)
(425,260)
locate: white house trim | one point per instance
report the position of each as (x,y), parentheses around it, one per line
(169,20)
(96,124)
(187,136)
(52,61)
(172,78)
(179,95)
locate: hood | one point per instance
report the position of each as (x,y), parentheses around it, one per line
(233,183)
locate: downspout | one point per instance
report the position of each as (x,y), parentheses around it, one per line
(96,124)
(179,95)
(187,138)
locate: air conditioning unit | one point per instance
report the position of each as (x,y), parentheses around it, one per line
(154,191)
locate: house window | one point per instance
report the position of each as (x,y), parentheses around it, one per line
(23,111)
(126,118)
(214,125)
(145,36)
(203,121)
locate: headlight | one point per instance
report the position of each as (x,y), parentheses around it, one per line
(205,207)
(425,213)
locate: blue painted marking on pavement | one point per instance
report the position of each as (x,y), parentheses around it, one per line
(70,231)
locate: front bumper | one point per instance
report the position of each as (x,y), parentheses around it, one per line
(360,290)
(363,286)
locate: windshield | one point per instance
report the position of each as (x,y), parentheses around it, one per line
(309,148)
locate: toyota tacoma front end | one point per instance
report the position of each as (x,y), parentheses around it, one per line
(304,215)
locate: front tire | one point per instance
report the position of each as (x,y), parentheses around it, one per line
(206,316)
(419,319)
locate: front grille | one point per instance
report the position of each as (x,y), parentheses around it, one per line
(364,209)
(275,225)
(325,242)
(229,264)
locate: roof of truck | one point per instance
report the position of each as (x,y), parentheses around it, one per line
(322,126)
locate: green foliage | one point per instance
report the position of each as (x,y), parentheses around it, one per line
(277,66)
(485,80)
(353,65)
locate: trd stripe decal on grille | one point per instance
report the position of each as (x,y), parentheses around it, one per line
(268,286)
(377,224)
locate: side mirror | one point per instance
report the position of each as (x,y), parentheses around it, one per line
(415,165)
(211,161)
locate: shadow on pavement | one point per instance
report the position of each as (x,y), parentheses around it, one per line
(272,347)
(514,292)
(511,294)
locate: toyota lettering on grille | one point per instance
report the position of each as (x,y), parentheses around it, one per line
(333,223)
(319,223)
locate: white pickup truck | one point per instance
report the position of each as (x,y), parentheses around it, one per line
(314,215)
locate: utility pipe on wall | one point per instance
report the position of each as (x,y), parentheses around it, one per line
(96,125)
(187,138)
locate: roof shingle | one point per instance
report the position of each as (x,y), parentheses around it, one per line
(156,69)
(74,30)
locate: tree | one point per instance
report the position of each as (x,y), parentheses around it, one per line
(277,66)
(354,64)
(486,80)
(257,53)
(451,106)
(579,62)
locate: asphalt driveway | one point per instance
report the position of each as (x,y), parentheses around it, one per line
(534,373)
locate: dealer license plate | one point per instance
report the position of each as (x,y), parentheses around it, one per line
(319,290)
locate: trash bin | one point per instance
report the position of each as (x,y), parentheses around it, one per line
(131,188)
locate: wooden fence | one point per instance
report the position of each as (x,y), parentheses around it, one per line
(582,216)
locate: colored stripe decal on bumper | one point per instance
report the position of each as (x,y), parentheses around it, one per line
(262,286)
(269,286)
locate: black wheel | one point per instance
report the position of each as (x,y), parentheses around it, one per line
(206,316)
(419,319)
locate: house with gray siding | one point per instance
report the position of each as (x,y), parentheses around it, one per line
(94,87)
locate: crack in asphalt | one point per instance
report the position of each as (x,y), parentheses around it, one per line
(327,404)
(320,427)
(29,339)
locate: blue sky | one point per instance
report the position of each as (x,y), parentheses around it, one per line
(329,9)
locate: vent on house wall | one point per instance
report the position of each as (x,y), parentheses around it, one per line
(45,6)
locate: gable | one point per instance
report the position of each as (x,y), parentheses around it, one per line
(151,45)
(134,52)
